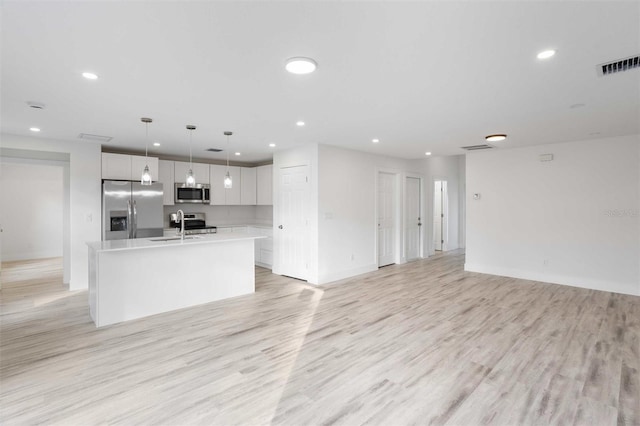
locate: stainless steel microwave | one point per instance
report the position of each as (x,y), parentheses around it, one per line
(198,194)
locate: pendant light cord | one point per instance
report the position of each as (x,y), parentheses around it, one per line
(146,140)
(190,156)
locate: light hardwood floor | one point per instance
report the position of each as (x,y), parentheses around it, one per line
(421,343)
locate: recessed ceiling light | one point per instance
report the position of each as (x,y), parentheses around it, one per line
(237,153)
(375,140)
(300,123)
(34,129)
(495,138)
(301,65)
(272,145)
(89,76)
(546,54)
(156,144)
(427,153)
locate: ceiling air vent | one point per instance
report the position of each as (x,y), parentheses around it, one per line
(620,65)
(476,147)
(213,150)
(91,137)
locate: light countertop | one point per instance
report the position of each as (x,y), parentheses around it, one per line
(159,242)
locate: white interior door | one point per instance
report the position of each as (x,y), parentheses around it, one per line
(386,219)
(292,226)
(413,221)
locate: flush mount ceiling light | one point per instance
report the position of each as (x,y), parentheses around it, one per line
(546,54)
(300,123)
(375,140)
(34,129)
(190,179)
(156,144)
(89,76)
(427,153)
(35,105)
(237,153)
(145,179)
(272,145)
(228,182)
(301,65)
(495,138)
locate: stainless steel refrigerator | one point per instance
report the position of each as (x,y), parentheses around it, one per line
(131,210)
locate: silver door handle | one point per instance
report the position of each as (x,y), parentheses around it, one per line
(280,227)
(135,221)
(129,220)
(419,224)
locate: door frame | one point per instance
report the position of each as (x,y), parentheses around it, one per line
(445,218)
(423,218)
(397,212)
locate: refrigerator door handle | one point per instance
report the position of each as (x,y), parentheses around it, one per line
(135,220)
(129,220)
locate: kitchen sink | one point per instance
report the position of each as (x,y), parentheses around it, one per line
(164,239)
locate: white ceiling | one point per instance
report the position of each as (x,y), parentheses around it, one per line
(419,76)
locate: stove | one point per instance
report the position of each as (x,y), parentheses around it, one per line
(194,223)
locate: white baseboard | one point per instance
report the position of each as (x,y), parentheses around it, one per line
(341,275)
(582,282)
(41,254)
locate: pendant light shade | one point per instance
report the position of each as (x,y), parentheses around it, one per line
(146,178)
(228,182)
(190,179)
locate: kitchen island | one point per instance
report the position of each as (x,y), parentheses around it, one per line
(131,279)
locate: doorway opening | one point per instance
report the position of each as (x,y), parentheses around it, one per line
(36,227)
(440,215)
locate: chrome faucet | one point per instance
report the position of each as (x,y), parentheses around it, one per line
(180,215)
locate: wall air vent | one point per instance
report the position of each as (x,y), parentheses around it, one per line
(213,150)
(476,147)
(97,138)
(619,65)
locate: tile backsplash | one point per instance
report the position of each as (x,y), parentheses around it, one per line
(225,215)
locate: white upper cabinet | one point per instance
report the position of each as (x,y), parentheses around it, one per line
(127,167)
(264,181)
(232,196)
(116,166)
(137,166)
(200,170)
(166,177)
(219,195)
(248,186)
(216,180)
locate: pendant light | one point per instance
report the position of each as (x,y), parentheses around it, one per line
(190,180)
(146,174)
(228,183)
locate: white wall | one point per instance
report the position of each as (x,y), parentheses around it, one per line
(574,220)
(31,218)
(84,193)
(347,210)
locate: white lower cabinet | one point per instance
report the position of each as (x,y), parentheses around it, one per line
(263,249)
(263,246)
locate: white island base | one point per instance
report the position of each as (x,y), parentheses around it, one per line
(131,279)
